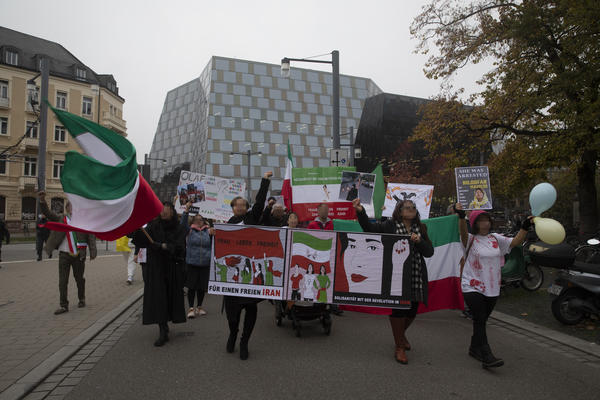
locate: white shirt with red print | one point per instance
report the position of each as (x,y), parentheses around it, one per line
(482,271)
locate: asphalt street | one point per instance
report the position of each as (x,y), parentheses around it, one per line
(26,251)
(355,362)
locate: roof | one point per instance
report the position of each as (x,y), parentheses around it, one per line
(63,63)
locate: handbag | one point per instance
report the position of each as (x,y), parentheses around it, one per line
(463,259)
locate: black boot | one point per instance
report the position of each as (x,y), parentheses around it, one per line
(163,336)
(488,358)
(231,341)
(243,349)
(475,350)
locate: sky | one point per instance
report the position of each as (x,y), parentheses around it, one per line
(151,47)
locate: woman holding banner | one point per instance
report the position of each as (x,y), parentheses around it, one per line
(234,305)
(481,275)
(405,221)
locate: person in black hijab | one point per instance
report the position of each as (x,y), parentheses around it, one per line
(164,278)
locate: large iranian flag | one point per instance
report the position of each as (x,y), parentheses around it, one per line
(109,197)
(313,186)
(443,267)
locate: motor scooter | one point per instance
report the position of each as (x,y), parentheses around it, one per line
(519,270)
(576,289)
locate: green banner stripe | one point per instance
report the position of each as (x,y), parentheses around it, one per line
(311,241)
(87,177)
(318,176)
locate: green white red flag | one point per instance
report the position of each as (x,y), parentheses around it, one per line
(109,197)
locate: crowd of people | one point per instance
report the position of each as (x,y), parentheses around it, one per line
(175,252)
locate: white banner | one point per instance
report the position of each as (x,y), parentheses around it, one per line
(211,196)
(421,195)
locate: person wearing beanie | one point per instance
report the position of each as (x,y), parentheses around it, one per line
(481,275)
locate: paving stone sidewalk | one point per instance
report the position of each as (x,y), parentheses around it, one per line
(29,330)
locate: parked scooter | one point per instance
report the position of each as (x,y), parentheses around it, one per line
(577,287)
(519,270)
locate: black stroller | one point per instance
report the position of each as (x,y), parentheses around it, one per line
(303,311)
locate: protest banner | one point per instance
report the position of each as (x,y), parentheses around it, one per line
(421,195)
(310,266)
(313,186)
(473,187)
(248,261)
(211,196)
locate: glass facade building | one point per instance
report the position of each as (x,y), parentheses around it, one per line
(237,105)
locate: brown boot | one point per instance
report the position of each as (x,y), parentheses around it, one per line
(407,323)
(398,328)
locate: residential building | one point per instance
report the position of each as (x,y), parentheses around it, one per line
(74,87)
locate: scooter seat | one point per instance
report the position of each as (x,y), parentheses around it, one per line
(586,267)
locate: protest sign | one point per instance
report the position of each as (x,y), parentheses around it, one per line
(248,261)
(473,187)
(421,195)
(313,186)
(211,196)
(310,266)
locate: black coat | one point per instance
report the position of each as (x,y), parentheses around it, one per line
(422,249)
(252,217)
(164,275)
(4,233)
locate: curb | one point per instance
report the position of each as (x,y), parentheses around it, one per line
(570,341)
(28,382)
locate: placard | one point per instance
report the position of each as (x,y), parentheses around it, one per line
(421,195)
(473,187)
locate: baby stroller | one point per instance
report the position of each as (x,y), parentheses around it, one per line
(303,311)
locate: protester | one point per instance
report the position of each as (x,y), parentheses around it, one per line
(41,235)
(235,305)
(405,221)
(125,247)
(4,234)
(274,214)
(322,221)
(71,248)
(197,257)
(481,275)
(163,290)
(292,221)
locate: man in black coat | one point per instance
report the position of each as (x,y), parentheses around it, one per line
(234,305)
(4,234)
(41,235)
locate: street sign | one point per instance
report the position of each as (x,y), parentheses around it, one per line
(339,157)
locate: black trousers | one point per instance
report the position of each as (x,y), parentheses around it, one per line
(233,309)
(65,262)
(39,245)
(407,313)
(481,307)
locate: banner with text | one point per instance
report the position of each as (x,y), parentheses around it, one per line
(473,187)
(248,261)
(313,186)
(211,196)
(421,195)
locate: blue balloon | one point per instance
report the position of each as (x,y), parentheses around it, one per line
(541,198)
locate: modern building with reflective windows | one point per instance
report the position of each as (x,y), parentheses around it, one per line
(236,106)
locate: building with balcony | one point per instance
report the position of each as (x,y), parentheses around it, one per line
(239,105)
(74,87)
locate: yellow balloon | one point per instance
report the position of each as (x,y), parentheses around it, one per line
(548,230)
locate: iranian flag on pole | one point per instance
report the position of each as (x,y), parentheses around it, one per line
(308,249)
(109,197)
(286,188)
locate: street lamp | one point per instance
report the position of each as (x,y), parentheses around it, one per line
(96,90)
(249,153)
(335,63)
(146,167)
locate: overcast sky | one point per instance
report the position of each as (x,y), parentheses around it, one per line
(153,46)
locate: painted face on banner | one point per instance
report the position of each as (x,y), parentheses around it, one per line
(363,260)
